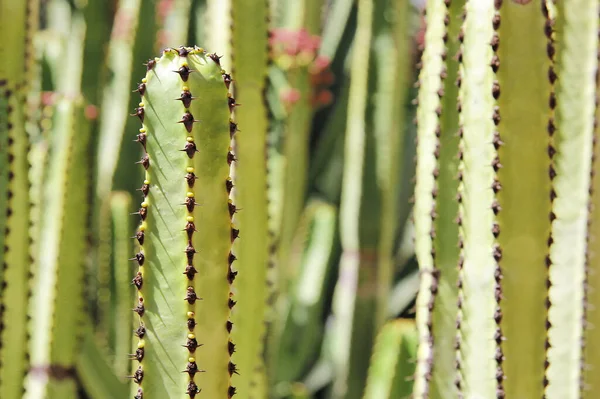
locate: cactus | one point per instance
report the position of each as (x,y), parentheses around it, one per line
(250,58)
(184,296)
(392,361)
(521,306)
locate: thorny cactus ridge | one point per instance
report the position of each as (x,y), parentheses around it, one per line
(184,278)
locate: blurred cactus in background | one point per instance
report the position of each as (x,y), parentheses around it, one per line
(277,218)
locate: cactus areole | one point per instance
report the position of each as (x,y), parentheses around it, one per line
(185,234)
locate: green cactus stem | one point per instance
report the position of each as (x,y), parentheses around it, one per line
(250,60)
(175,20)
(436,203)
(576,63)
(184,276)
(475,342)
(392,363)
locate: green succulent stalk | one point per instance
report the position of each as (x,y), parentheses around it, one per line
(250,61)
(184,293)
(392,363)
(16,30)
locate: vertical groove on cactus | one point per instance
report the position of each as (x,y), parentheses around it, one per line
(576,62)
(186,228)
(523,170)
(590,361)
(478,280)
(431,78)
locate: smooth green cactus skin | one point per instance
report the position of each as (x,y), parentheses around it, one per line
(524,197)
(476,333)
(250,60)
(202,228)
(577,43)
(392,366)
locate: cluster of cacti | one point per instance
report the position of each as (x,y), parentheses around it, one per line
(203,234)
(504,211)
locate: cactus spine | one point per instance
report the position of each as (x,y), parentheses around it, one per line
(185,236)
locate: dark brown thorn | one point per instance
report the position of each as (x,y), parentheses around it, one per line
(233,128)
(190,228)
(138,375)
(215,58)
(139,236)
(230,348)
(139,394)
(150,64)
(232,369)
(235,233)
(143,212)
(145,161)
(138,281)
(228,326)
(190,149)
(191,368)
(191,344)
(191,296)
(191,323)
(141,138)
(138,355)
(232,103)
(140,331)
(227,80)
(190,178)
(140,89)
(183,52)
(228,185)
(495,64)
(190,272)
(184,72)
(139,112)
(139,257)
(190,203)
(186,98)
(144,189)
(192,389)
(496,21)
(231,158)
(188,121)
(231,303)
(190,251)
(230,392)
(139,309)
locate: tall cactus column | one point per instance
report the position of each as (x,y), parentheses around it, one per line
(185,236)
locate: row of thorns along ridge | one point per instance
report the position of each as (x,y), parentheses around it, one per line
(189,202)
(496,187)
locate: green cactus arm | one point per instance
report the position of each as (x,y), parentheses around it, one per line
(15,240)
(175,22)
(121,295)
(316,245)
(391,366)
(250,60)
(576,36)
(95,372)
(58,291)
(392,45)
(186,220)
(524,198)
(430,81)
(117,93)
(475,339)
